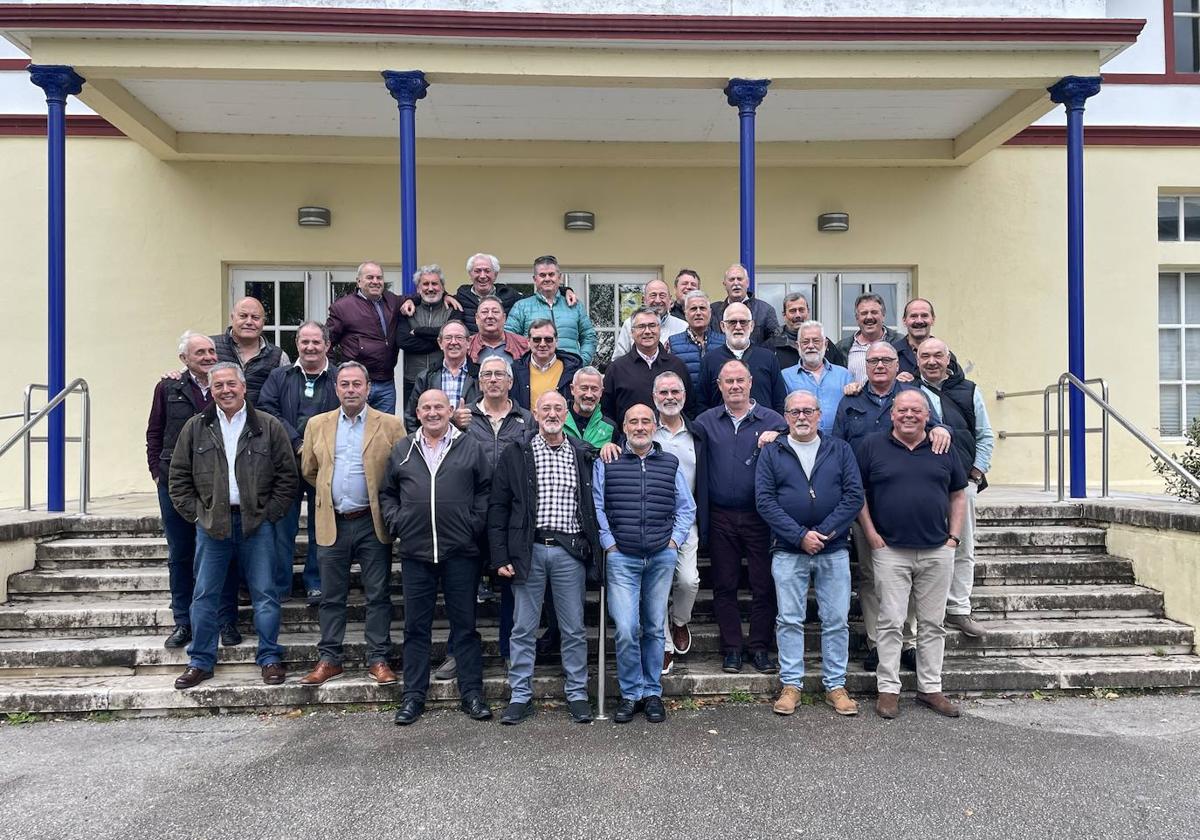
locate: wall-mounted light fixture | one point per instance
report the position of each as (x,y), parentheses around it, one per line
(579,220)
(314,217)
(833,222)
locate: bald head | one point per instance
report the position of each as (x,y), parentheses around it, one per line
(246,320)
(933,359)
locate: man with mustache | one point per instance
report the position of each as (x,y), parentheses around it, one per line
(739,327)
(814,374)
(645,512)
(869,312)
(795,313)
(737,290)
(918,322)
(656,298)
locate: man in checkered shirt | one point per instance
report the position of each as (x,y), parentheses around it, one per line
(542,528)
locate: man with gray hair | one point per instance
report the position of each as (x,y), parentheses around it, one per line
(737,290)
(584,419)
(814,374)
(693,344)
(175,402)
(233,473)
(417,334)
(361,329)
(657,298)
(482,270)
(796,311)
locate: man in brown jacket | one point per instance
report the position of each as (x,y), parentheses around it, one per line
(233,473)
(345,458)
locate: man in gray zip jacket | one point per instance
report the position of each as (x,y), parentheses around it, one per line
(434,501)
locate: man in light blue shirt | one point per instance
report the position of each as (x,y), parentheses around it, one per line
(813,374)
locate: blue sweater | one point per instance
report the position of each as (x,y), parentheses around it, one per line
(792,502)
(731,455)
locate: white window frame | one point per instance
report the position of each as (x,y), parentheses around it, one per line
(826,306)
(1180,219)
(1183,382)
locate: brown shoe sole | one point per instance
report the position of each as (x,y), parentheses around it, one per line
(784,711)
(307,681)
(844,712)
(393,681)
(949,711)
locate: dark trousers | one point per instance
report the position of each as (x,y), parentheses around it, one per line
(460,579)
(181,557)
(507,607)
(734,534)
(356,543)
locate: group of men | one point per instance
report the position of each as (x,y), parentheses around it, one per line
(714,426)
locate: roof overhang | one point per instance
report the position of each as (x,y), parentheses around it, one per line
(303,84)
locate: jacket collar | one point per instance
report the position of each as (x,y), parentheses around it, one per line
(252,423)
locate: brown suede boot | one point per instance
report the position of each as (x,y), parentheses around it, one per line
(888,705)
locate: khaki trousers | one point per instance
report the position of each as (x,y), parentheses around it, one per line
(924,574)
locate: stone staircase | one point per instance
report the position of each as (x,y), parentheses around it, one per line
(83,631)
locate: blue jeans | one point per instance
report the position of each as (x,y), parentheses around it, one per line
(256,556)
(831,573)
(550,562)
(181,562)
(637,601)
(285,545)
(382,397)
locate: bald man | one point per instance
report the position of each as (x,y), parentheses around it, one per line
(243,344)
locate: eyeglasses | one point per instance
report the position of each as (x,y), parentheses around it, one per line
(881,360)
(645,327)
(793,413)
(542,339)
(493,374)
(454,339)
(737,322)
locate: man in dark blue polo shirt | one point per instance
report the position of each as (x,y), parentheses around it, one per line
(915,505)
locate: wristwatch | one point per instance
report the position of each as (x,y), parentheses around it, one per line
(957,540)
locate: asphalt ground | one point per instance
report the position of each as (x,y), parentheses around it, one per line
(1058,768)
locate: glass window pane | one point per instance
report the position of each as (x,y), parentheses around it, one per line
(891,304)
(1168,298)
(265,292)
(849,291)
(291,303)
(1192,406)
(605,339)
(600,304)
(631,299)
(1191,218)
(1169,362)
(1187,44)
(1191,297)
(287,340)
(1186,5)
(1170,423)
(1191,354)
(1168,218)
(772,293)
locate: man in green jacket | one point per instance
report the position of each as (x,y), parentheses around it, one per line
(584,419)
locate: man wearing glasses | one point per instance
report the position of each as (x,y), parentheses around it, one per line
(813,374)
(861,414)
(738,326)
(808,491)
(544,368)
(629,380)
(455,377)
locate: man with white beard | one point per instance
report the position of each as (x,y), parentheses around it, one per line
(769,389)
(677,435)
(815,375)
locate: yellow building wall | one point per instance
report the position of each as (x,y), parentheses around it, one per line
(150,242)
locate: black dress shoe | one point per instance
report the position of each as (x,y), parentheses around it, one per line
(732,664)
(230,635)
(654,709)
(763,663)
(516,712)
(274,673)
(581,711)
(908,659)
(475,708)
(179,637)
(625,710)
(409,711)
(548,644)
(192,677)
(871,660)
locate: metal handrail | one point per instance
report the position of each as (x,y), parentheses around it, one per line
(1142,437)
(25,434)
(1047,432)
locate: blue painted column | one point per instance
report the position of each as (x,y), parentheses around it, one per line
(746,95)
(59,82)
(1073,92)
(406,87)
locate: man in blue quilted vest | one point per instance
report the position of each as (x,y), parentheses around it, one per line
(645,511)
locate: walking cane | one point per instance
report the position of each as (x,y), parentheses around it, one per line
(601,680)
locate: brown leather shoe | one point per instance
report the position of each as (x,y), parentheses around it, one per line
(789,698)
(888,705)
(323,673)
(841,702)
(939,703)
(382,674)
(681,638)
(274,674)
(192,677)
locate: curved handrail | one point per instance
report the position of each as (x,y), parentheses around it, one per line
(79,386)
(1106,407)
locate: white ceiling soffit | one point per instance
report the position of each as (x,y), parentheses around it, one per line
(558,113)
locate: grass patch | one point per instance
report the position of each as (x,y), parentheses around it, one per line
(20,718)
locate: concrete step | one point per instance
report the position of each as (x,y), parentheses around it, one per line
(1075,637)
(238,688)
(1036,568)
(1065,601)
(1041,539)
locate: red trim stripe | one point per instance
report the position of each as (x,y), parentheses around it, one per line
(78,125)
(13,63)
(1110,135)
(1152,78)
(401,22)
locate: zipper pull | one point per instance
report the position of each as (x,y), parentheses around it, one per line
(812,494)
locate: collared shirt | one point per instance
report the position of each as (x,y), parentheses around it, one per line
(985,438)
(649,360)
(558,486)
(203,386)
(908,490)
(828,389)
(231,430)
(856,358)
(737,421)
(454,384)
(681,444)
(310,381)
(349,479)
(434,452)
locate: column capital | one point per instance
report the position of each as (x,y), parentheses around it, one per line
(1073,91)
(405,86)
(746,94)
(58,81)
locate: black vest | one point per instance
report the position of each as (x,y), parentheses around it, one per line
(639,501)
(179,409)
(958,412)
(256,370)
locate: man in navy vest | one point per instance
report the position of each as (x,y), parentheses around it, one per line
(645,511)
